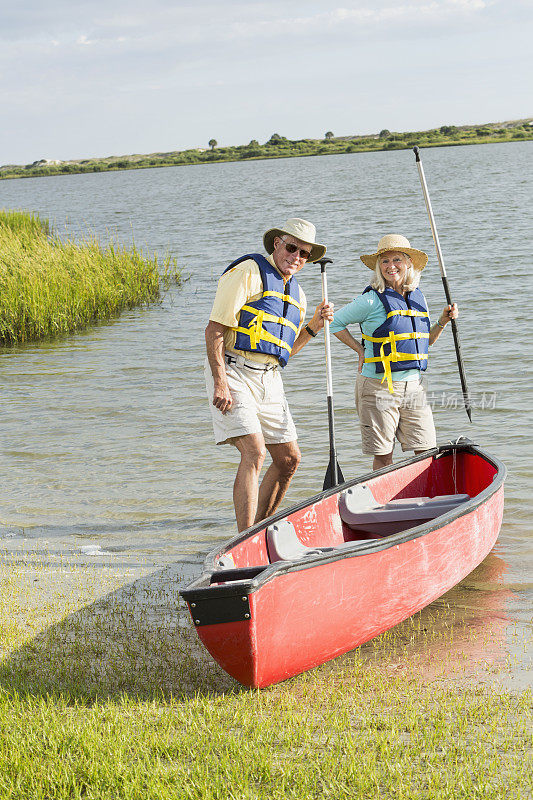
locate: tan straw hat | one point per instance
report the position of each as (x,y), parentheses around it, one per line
(300,229)
(393,241)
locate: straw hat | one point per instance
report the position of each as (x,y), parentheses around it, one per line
(393,241)
(300,229)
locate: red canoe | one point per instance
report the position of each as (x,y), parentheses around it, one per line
(331,573)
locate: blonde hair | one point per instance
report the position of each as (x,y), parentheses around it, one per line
(412,276)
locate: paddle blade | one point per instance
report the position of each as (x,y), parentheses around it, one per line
(329,480)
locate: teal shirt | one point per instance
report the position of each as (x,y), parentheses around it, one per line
(367,310)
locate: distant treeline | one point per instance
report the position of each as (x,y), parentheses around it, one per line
(280,147)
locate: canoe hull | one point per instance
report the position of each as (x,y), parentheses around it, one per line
(306,614)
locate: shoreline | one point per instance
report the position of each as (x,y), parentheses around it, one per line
(47,591)
(105,690)
(281,147)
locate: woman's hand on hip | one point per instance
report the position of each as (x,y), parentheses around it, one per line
(361,359)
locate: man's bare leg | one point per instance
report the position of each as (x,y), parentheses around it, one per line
(382,461)
(276,480)
(246,485)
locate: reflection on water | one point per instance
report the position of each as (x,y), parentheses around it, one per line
(106,438)
(469,634)
(138,638)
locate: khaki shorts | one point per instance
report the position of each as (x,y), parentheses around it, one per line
(259,406)
(404,415)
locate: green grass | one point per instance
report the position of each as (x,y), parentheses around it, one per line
(23,224)
(50,287)
(307,741)
(281,147)
(105,693)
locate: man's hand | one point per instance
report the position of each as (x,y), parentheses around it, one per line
(324,311)
(222,398)
(214,340)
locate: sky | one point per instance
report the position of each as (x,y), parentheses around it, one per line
(116,77)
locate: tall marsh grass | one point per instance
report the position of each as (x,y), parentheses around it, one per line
(23,223)
(50,287)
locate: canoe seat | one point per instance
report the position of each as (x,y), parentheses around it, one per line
(359,510)
(283,544)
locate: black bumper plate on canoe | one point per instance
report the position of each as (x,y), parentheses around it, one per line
(216,610)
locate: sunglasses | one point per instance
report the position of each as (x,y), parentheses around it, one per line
(293,248)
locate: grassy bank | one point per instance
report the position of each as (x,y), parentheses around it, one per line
(281,147)
(50,287)
(104,693)
(352,738)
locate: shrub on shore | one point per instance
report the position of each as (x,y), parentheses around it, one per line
(281,147)
(50,287)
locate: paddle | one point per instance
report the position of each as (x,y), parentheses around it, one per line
(466,398)
(334,474)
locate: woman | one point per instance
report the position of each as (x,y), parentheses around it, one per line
(393,315)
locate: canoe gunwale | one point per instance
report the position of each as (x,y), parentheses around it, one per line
(201,587)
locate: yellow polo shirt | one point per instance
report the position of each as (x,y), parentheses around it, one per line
(240,285)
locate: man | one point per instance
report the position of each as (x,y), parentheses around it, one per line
(256,323)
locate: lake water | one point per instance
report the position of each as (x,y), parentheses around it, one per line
(107,450)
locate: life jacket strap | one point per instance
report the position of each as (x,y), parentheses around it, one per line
(394,356)
(407,312)
(285,297)
(264,315)
(256,332)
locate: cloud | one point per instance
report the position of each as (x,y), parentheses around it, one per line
(211,22)
(92,64)
(101,47)
(363,19)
